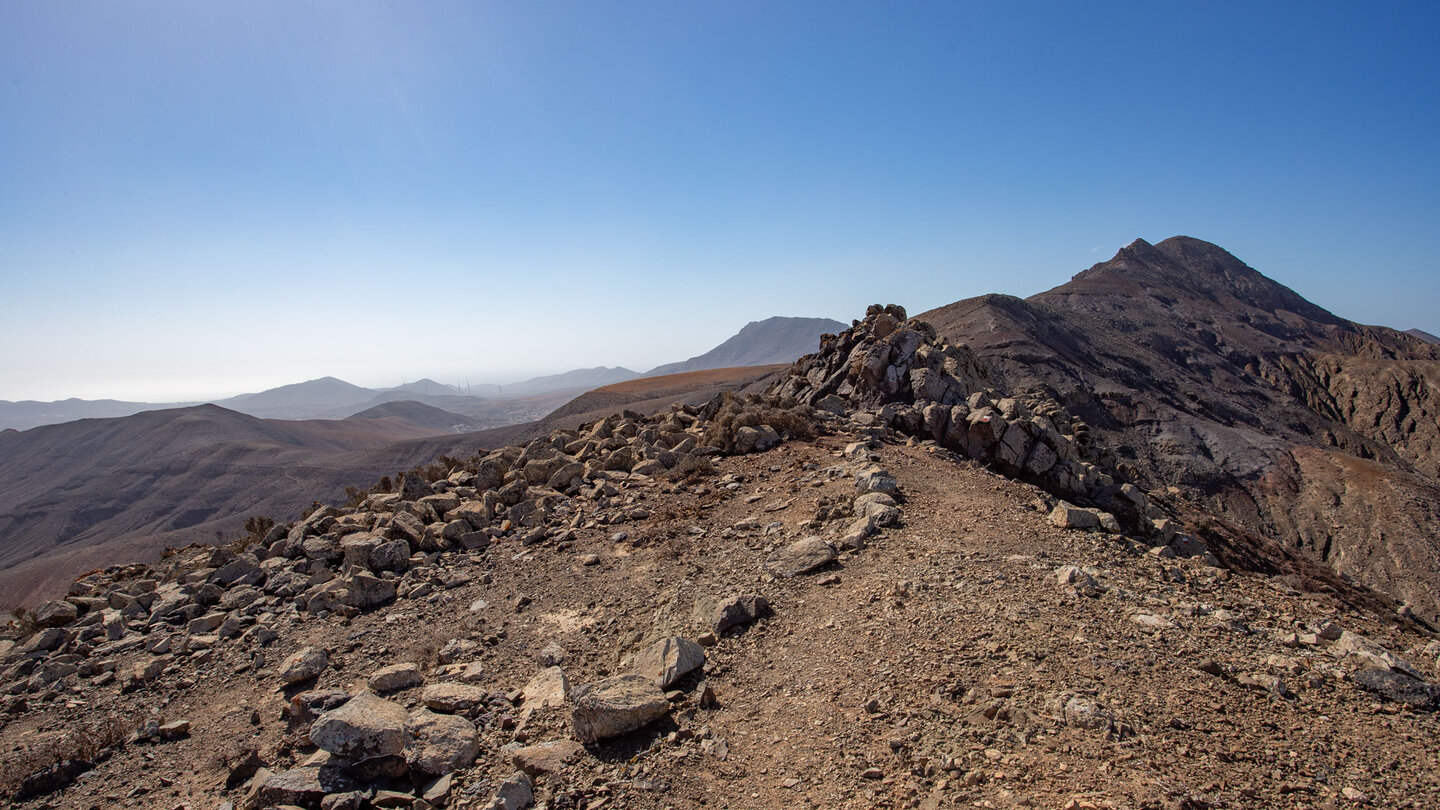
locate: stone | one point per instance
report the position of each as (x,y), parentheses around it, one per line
(1083,713)
(549,687)
(874,479)
(668,660)
(1400,688)
(365,727)
(440,743)
(1078,580)
(615,706)
(739,610)
(800,557)
(174,730)
(365,591)
(1066,516)
(305,665)
(306,785)
(546,757)
(515,793)
(395,677)
(391,555)
(56,613)
(453,697)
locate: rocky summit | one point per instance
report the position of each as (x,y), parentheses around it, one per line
(906,575)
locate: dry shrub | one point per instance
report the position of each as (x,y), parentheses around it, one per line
(85,742)
(691,468)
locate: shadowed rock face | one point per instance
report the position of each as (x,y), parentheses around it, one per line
(1205,375)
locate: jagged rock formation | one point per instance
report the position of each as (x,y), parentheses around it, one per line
(1274,414)
(912,381)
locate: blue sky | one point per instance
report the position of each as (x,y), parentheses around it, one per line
(200,199)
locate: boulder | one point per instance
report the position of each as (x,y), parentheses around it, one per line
(668,660)
(800,557)
(365,727)
(615,706)
(56,613)
(305,786)
(395,677)
(440,743)
(304,665)
(1073,517)
(737,611)
(453,697)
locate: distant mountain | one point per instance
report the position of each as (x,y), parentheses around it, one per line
(28,413)
(299,400)
(1423,335)
(421,415)
(428,387)
(580,379)
(759,343)
(88,493)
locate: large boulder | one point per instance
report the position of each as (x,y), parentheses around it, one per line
(365,727)
(616,706)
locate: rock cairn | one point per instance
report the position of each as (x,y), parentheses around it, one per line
(896,373)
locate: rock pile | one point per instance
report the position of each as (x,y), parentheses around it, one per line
(896,373)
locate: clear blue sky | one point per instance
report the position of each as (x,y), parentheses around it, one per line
(199,199)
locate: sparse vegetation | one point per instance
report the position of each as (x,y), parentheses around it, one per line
(82,745)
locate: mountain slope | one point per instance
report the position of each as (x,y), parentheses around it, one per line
(1207,376)
(112,489)
(758,343)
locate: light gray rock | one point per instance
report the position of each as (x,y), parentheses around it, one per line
(304,665)
(515,793)
(1066,516)
(547,757)
(615,706)
(452,697)
(800,557)
(365,727)
(668,660)
(549,687)
(440,743)
(395,677)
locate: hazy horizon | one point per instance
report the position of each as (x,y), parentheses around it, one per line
(201,200)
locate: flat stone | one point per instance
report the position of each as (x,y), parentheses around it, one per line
(452,697)
(615,706)
(546,757)
(549,687)
(395,677)
(304,786)
(800,557)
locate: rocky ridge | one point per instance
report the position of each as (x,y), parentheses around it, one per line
(886,583)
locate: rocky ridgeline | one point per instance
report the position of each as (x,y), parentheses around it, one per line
(896,373)
(407,738)
(133,627)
